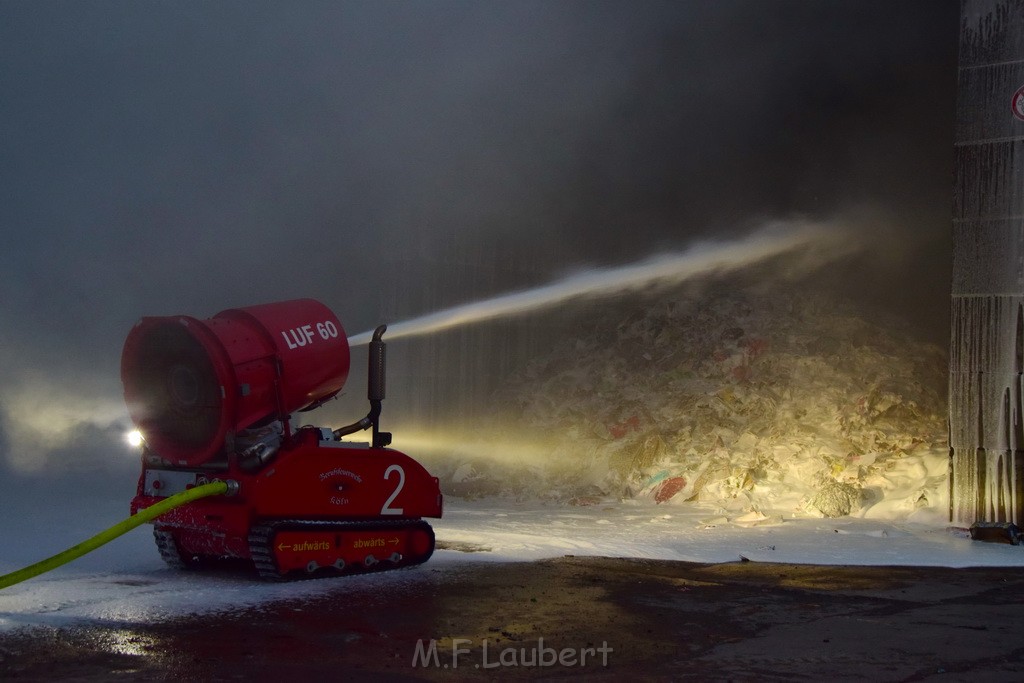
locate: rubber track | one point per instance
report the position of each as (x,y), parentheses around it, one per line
(261,546)
(169,551)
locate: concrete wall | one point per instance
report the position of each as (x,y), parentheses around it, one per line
(987,346)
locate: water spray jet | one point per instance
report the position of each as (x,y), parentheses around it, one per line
(823,242)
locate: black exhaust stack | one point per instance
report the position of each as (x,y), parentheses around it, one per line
(375,385)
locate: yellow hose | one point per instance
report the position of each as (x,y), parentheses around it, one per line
(141,517)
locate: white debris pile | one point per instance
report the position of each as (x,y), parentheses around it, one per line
(761,406)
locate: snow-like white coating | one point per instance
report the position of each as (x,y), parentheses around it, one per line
(126,581)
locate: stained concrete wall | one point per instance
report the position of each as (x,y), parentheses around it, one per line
(987,346)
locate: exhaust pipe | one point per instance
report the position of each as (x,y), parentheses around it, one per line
(375,390)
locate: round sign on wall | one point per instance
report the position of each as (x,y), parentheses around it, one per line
(1017,103)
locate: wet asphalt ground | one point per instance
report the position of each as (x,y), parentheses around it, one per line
(593,618)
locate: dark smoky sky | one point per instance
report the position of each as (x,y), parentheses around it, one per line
(186,157)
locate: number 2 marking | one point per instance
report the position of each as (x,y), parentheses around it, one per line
(387,509)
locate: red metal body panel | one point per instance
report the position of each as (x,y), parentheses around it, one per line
(349,483)
(309,480)
(189,384)
(305,335)
(303,549)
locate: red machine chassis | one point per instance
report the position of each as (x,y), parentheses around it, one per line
(321,506)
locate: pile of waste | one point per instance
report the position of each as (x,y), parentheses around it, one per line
(760,406)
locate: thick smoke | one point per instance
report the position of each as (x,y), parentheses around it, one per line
(5,445)
(46,424)
(187,158)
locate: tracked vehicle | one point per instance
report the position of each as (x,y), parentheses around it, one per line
(213,400)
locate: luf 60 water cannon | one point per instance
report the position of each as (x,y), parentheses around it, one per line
(213,400)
